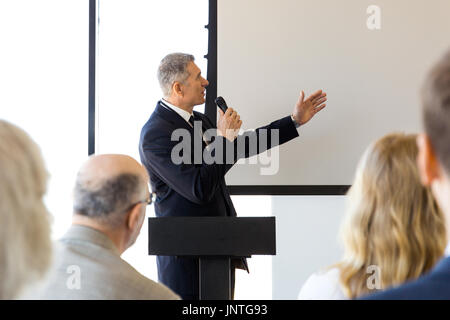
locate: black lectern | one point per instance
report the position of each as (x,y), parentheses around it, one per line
(214,241)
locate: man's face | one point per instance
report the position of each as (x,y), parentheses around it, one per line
(194,86)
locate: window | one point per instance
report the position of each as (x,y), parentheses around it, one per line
(44,81)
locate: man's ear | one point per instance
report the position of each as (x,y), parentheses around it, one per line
(177,88)
(429,168)
(134,216)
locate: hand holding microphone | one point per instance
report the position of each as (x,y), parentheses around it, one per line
(229,121)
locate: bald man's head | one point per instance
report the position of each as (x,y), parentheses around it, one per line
(107,185)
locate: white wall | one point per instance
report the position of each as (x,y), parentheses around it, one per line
(307,229)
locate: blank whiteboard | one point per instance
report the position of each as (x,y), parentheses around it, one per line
(269,50)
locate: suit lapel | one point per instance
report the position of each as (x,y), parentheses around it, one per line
(178,122)
(223,187)
(172,117)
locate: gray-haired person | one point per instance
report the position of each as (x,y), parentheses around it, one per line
(110,198)
(25,244)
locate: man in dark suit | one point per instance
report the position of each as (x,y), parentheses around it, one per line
(434,167)
(193,186)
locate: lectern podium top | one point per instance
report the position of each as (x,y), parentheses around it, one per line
(212,236)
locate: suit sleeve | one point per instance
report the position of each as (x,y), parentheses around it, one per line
(254,142)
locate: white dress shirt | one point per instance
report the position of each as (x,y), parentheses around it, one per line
(323,286)
(447,250)
(183,113)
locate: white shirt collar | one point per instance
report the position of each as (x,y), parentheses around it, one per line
(183,113)
(447,250)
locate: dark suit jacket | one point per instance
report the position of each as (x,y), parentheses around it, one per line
(434,285)
(189,189)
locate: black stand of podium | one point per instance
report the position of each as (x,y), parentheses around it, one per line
(214,241)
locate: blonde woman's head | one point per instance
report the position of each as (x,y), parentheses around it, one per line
(393,222)
(25,245)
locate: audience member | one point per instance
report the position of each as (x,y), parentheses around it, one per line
(393,230)
(25,250)
(110,198)
(434,167)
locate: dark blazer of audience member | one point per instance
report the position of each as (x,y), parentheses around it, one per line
(25,244)
(393,230)
(434,167)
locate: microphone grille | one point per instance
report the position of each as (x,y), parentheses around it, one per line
(220,101)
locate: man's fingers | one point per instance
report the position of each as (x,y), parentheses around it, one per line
(320,108)
(234,116)
(236,124)
(231,114)
(315,95)
(302,96)
(323,95)
(229,111)
(315,100)
(320,101)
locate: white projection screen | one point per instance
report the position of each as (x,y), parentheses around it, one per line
(267,51)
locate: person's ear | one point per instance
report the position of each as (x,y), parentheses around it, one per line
(177,89)
(134,216)
(429,168)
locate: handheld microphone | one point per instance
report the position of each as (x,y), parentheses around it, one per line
(221,104)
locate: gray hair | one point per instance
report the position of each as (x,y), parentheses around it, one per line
(173,68)
(108,202)
(25,243)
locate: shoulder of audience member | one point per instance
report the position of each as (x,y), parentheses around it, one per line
(323,284)
(147,288)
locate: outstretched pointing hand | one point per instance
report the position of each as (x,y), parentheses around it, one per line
(306,109)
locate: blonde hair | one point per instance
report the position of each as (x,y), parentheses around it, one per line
(25,244)
(392,222)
